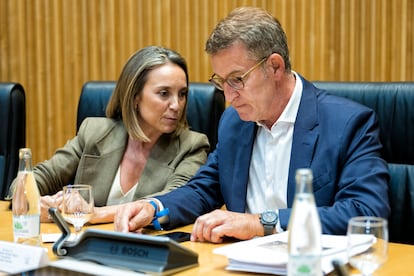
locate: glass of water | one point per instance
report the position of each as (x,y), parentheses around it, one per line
(78,205)
(367,243)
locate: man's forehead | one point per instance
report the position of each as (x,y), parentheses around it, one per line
(229,60)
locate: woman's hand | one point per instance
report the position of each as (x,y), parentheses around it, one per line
(47,202)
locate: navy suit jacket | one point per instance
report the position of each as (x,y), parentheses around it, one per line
(335,137)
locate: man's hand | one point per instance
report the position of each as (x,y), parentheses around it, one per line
(133,216)
(216,225)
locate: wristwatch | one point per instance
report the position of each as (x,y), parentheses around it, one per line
(269,220)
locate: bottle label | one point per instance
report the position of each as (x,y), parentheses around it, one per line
(304,265)
(26,229)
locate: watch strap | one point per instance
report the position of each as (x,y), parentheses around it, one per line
(269,223)
(268,229)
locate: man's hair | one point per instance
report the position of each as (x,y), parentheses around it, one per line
(258,30)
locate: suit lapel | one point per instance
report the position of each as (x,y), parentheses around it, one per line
(305,136)
(162,154)
(106,160)
(242,160)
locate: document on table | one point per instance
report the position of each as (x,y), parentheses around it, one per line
(269,254)
(53,237)
(16,258)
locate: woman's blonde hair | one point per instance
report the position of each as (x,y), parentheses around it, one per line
(131,83)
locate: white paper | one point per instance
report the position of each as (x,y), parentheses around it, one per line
(53,237)
(269,254)
(17,258)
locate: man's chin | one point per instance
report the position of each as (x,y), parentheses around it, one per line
(245,117)
(244,113)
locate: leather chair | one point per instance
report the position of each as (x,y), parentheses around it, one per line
(204,108)
(393,103)
(12,132)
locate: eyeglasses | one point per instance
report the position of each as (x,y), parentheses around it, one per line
(234,81)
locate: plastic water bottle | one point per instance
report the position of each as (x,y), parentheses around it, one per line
(26,202)
(305,230)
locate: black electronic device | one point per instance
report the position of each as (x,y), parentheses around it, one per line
(178,236)
(138,252)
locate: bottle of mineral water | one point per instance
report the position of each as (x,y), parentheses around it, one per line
(305,232)
(26,202)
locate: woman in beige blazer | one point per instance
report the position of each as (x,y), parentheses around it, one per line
(143,148)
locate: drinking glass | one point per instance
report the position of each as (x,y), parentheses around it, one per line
(367,243)
(78,205)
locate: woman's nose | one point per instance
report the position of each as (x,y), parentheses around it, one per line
(174,103)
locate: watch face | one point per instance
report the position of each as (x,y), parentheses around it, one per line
(269,216)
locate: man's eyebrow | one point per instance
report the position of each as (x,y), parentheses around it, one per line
(229,74)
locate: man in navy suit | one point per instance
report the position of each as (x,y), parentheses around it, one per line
(277,122)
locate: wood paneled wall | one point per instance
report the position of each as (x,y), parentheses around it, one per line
(53,46)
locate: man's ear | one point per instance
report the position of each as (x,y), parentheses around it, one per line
(277,63)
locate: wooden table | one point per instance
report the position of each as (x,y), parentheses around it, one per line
(401,256)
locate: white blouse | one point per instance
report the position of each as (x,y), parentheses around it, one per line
(116,195)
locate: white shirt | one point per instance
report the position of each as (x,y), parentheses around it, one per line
(116,195)
(269,166)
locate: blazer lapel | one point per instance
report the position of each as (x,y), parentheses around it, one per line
(160,158)
(104,163)
(305,136)
(242,159)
